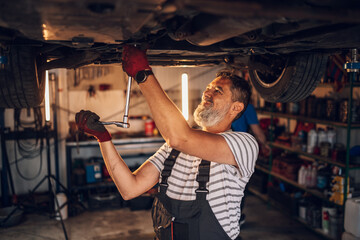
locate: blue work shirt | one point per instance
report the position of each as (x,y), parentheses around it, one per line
(248,117)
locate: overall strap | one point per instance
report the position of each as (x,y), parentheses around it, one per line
(168,165)
(202,178)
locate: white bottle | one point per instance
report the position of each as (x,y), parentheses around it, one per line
(308,176)
(313,176)
(331,134)
(311,140)
(322,136)
(301,174)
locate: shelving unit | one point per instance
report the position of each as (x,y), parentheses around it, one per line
(47,133)
(129,148)
(312,157)
(293,183)
(307,119)
(345,166)
(266,198)
(306,157)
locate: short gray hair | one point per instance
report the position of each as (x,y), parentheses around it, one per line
(240,88)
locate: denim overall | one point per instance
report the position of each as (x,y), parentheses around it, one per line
(185,220)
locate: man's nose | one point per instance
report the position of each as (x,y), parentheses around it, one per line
(207,94)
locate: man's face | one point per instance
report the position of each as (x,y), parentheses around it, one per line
(215,104)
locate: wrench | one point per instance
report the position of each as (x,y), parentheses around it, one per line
(124,123)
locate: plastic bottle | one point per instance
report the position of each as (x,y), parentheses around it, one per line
(322,177)
(303,137)
(301,175)
(311,140)
(325,221)
(331,135)
(322,136)
(313,177)
(308,176)
(149,127)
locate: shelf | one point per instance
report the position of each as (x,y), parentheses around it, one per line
(313,192)
(138,147)
(119,141)
(89,186)
(331,85)
(313,156)
(277,205)
(308,119)
(271,198)
(317,230)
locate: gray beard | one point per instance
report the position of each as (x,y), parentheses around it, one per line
(208,117)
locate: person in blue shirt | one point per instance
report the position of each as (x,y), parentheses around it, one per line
(249,121)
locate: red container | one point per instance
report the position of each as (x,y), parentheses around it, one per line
(149,127)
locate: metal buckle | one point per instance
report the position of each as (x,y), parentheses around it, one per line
(201,191)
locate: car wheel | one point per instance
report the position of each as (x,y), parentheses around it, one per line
(289,78)
(21,84)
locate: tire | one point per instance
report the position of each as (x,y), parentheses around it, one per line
(291,78)
(21,84)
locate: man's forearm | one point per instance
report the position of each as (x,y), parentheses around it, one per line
(129,184)
(177,132)
(123,178)
(167,116)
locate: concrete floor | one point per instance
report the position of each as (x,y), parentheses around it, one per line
(262,223)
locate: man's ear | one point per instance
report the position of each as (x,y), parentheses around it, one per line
(237,107)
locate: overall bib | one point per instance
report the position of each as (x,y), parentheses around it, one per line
(185,220)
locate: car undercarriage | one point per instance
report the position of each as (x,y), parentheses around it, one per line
(284,45)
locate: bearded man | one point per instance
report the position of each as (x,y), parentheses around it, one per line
(202,174)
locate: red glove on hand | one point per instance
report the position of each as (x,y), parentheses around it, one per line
(134,60)
(88,122)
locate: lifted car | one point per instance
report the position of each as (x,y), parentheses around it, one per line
(284,44)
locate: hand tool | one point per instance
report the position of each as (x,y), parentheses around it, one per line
(124,123)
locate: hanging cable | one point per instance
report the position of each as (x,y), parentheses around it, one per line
(26,147)
(19,171)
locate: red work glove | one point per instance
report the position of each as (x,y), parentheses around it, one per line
(88,122)
(134,60)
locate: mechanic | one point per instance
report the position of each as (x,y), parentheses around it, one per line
(201,182)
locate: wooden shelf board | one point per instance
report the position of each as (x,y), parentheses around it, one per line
(308,119)
(295,184)
(313,156)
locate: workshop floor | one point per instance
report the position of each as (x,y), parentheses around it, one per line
(262,223)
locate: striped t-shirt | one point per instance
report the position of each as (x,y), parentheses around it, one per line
(227,182)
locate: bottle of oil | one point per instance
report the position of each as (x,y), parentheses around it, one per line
(312,140)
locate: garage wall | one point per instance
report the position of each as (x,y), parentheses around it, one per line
(28,172)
